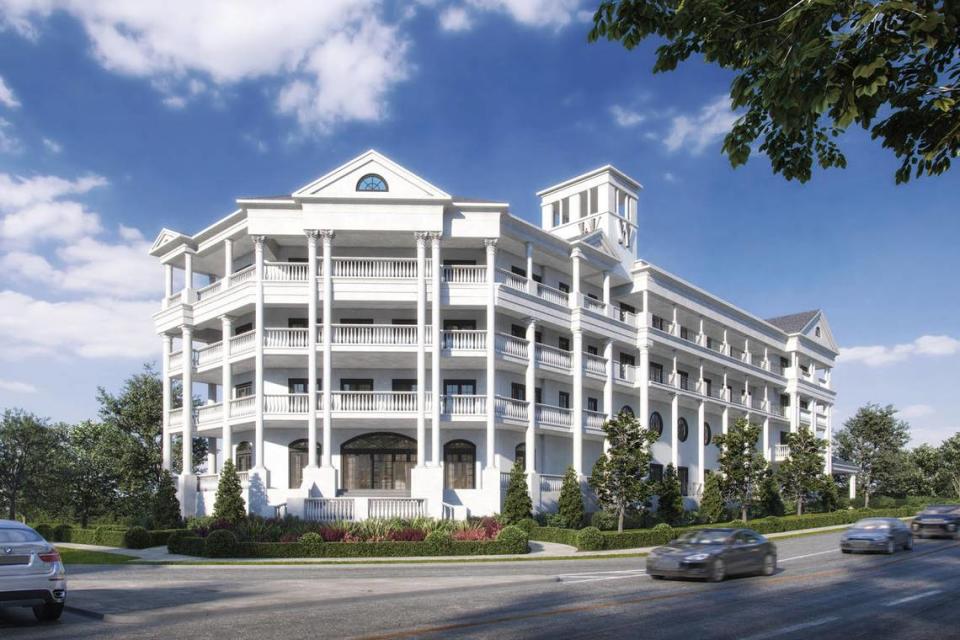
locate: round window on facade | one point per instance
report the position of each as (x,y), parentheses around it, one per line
(656,423)
(707,433)
(371,182)
(627,409)
(683,429)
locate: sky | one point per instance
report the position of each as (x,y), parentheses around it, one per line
(119,119)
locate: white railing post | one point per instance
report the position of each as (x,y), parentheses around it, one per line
(186,404)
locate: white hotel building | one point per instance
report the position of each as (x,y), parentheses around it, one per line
(373,346)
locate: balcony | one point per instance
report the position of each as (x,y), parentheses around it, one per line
(464,274)
(286,404)
(781,452)
(374,401)
(595,365)
(463,340)
(542,291)
(594,419)
(554,416)
(623,372)
(286,271)
(368,335)
(511,409)
(243,343)
(463,405)
(212,354)
(509,345)
(283,338)
(592,304)
(376,268)
(554,357)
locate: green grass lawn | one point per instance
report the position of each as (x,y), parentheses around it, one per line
(83,556)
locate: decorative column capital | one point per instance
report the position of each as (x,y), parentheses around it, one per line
(325,234)
(576,253)
(421,237)
(258,241)
(225,319)
(435,236)
(490,244)
(313,234)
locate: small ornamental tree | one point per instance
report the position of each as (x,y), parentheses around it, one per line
(571,500)
(799,474)
(517,504)
(712,507)
(619,475)
(871,441)
(669,497)
(165,509)
(229,504)
(769,500)
(741,464)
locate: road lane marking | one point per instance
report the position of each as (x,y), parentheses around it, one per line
(795,627)
(598,576)
(925,594)
(808,555)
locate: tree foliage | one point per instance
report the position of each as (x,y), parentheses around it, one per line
(229,504)
(619,475)
(92,480)
(669,497)
(570,504)
(712,505)
(769,501)
(165,508)
(741,464)
(807,71)
(517,504)
(29,450)
(872,440)
(799,474)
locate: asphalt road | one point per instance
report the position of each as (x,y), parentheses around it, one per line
(817,592)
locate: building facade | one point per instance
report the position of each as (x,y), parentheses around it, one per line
(371,346)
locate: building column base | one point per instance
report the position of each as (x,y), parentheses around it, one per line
(427,483)
(319,482)
(187,494)
(533,486)
(492,492)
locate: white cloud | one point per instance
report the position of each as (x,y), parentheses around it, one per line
(56,220)
(533,13)
(669,177)
(626,117)
(696,132)
(7,97)
(879,355)
(15,386)
(916,411)
(52,145)
(9,143)
(455,19)
(17,192)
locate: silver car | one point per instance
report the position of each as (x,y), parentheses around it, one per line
(31,572)
(885,535)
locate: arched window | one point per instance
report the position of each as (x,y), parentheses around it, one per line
(244,456)
(627,409)
(656,423)
(520,455)
(378,461)
(371,182)
(707,433)
(683,429)
(818,331)
(298,457)
(460,464)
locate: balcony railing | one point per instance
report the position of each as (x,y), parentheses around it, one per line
(552,415)
(552,295)
(374,401)
(208,482)
(512,346)
(286,403)
(625,372)
(594,364)
(464,339)
(510,408)
(242,343)
(550,483)
(405,508)
(243,407)
(209,412)
(554,357)
(376,268)
(594,419)
(463,405)
(592,304)
(626,316)
(777,410)
(210,354)
(756,403)
(464,274)
(209,290)
(511,279)
(328,509)
(280,338)
(243,275)
(176,359)
(781,452)
(805,416)
(378,334)
(175,417)
(286,271)
(735,353)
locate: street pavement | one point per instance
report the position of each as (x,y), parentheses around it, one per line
(817,592)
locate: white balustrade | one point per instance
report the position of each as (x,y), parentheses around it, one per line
(557,416)
(504,480)
(210,354)
(286,403)
(511,279)
(626,316)
(781,452)
(625,372)
(777,410)
(209,412)
(374,401)
(176,360)
(464,405)
(464,274)
(550,483)
(209,290)
(552,295)
(328,509)
(175,417)
(376,268)
(510,408)
(592,304)
(243,476)
(243,407)
(242,343)
(594,419)
(805,416)
(243,275)
(208,482)
(173,298)
(405,508)
(511,345)
(553,356)
(286,271)
(464,339)
(756,403)
(595,364)
(377,334)
(283,338)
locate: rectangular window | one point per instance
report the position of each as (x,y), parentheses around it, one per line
(656,472)
(583,204)
(785,400)
(565,210)
(555,210)
(459,325)
(459,262)
(594,199)
(805,405)
(297,323)
(656,372)
(460,387)
(627,358)
(593,296)
(520,271)
(784,437)
(563,286)
(297,385)
(297,260)
(563,399)
(518,391)
(684,380)
(593,404)
(537,395)
(356,384)
(627,307)
(683,473)
(518,331)
(563,343)
(684,333)
(243,328)
(784,363)
(406,322)
(356,320)
(243,390)
(404,384)
(592,350)
(537,277)
(658,323)
(707,386)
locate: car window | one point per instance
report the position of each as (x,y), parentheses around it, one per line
(19,535)
(872,524)
(706,536)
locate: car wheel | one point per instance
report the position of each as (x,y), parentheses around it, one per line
(769,565)
(908,545)
(48,611)
(718,571)
(845,551)
(891,547)
(656,576)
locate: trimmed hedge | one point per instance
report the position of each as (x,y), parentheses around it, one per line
(106,535)
(555,534)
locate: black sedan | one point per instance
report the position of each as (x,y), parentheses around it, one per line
(714,554)
(938,521)
(877,534)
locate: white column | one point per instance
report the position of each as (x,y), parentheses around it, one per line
(725,420)
(187,402)
(644,320)
(435,354)
(531,386)
(700,334)
(701,447)
(643,380)
(188,270)
(313,236)
(606,292)
(226,439)
(726,396)
(674,377)
(726,343)
(211,455)
(421,238)
(675,430)
(167,401)
(575,276)
(675,326)
(578,401)
(828,457)
(608,383)
(853,486)
(491,251)
(227,262)
(167,284)
(794,412)
(327,382)
(258,353)
(767,454)
(531,285)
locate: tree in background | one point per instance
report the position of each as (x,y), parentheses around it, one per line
(806,71)
(871,440)
(948,479)
(517,504)
(740,464)
(799,474)
(768,499)
(619,475)
(91,480)
(828,497)
(570,505)
(165,508)
(669,497)
(30,448)
(229,504)
(712,506)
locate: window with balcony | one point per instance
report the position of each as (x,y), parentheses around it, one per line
(707,434)
(356,320)
(656,472)
(658,323)
(563,399)
(684,333)
(593,404)
(684,380)
(459,325)
(563,343)
(520,455)
(243,328)
(656,423)
(297,459)
(356,384)
(404,322)
(592,350)
(564,287)
(378,461)
(627,358)
(459,465)
(656,372)
(460,387)
(627,410)
(244,456)
(242,390)
(297,260)
(404,384)
(297,323)
(683,430)
(372,182)
(784,363)
(458,262)
(297,385)
(805,405)
(520,271)
(707,386)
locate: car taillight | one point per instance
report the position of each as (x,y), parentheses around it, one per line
(52,556)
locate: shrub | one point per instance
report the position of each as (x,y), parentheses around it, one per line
(603,520)
(136,538)
(221,544)
(669,497)
(62,533)
(291,537)
(528,525)
(175,540)
(570,504)
(311,541)
(517,504)
(407,534)
(165,508)
(229,504)
(712,506)
(590,539)
(44,530)
(513,538)
(768,497)
(554,534)
(439,541)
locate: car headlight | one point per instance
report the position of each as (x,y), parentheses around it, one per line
(952,527)
(697,557)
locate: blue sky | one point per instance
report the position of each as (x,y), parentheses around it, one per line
(118,119)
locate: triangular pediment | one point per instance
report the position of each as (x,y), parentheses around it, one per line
(401,184)
(818,330)
(165,236)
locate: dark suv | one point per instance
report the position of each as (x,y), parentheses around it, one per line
(938,521)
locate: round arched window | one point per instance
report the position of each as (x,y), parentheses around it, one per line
(627,409)
(656,423)
(707,433)
(371,182)
(683,429)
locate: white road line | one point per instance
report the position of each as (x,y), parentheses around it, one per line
(796,627)
(602,573)
(808,555)
(598,576)
(925,594)
(582,580)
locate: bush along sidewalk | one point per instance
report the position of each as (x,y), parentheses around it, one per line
(106,535)
(592,539)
